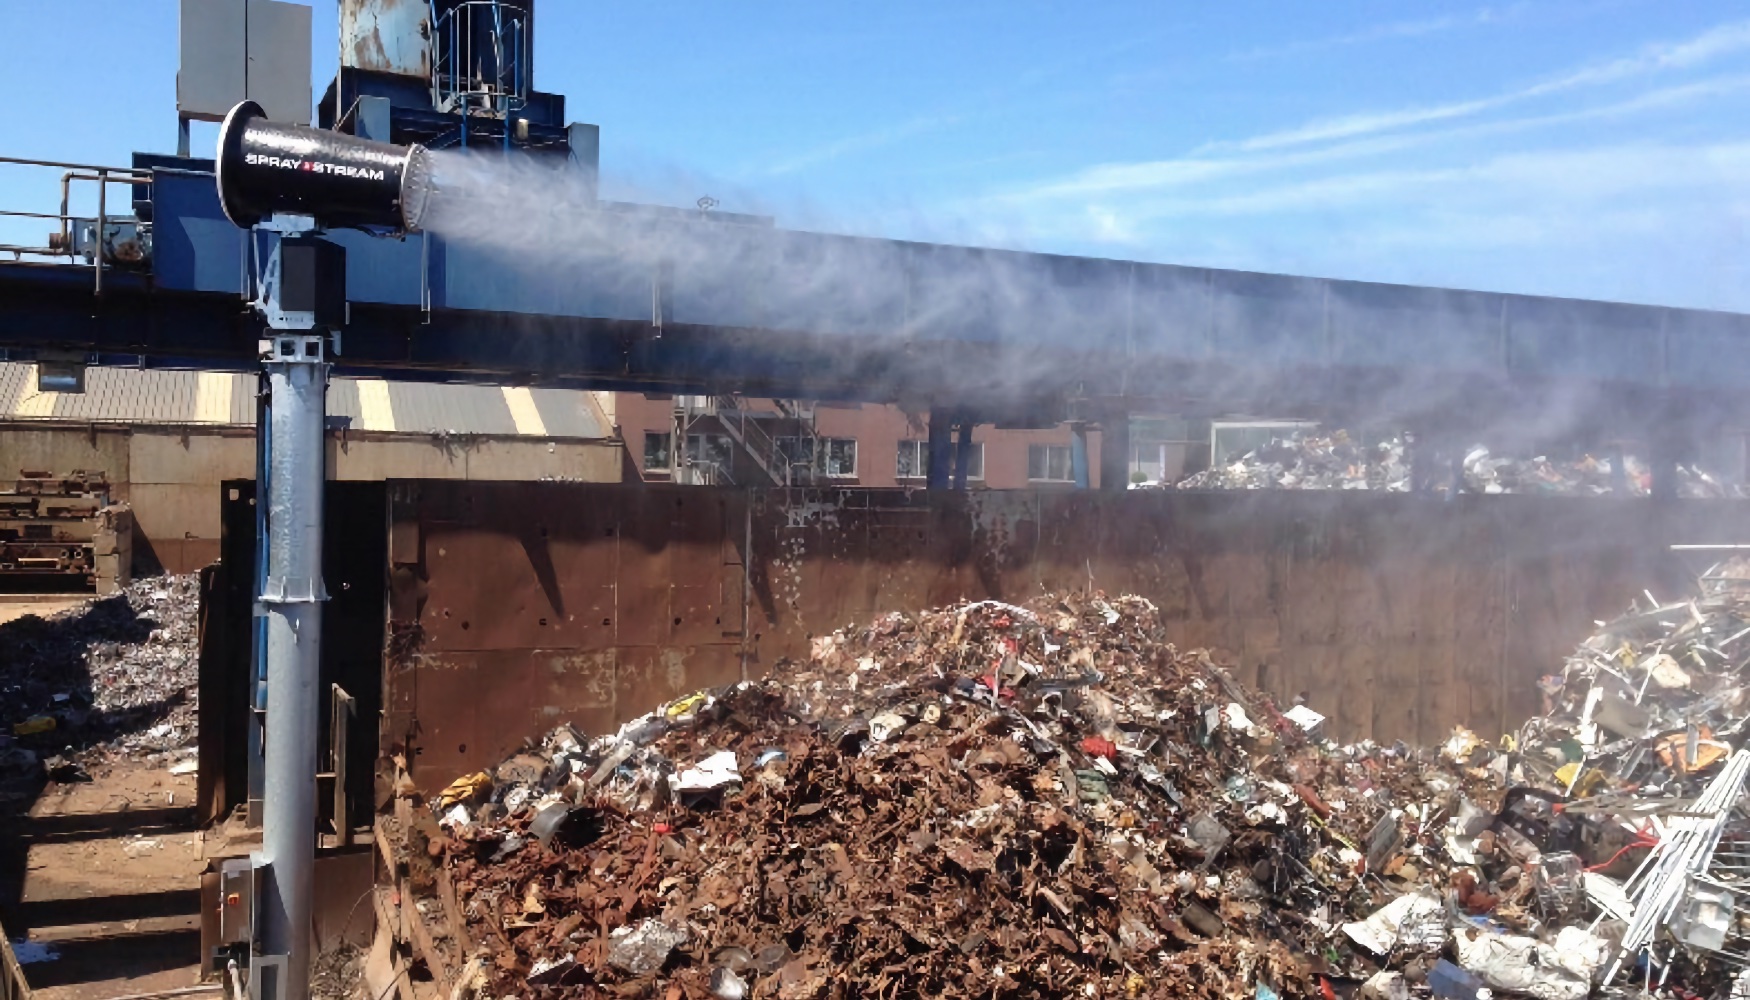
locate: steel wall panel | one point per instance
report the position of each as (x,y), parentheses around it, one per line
(1401,616)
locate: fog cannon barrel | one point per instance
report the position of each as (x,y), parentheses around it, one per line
(340,180)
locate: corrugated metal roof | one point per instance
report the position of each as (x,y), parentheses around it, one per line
(12,383)
(567,414)
(243,390)
(427,408)
(130,395)
(343,400)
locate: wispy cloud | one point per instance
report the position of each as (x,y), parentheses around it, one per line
(863,141)
(1115,179)
(1587,175)
(1389,31)
(1726,39)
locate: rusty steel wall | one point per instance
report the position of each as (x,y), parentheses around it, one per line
(517,606)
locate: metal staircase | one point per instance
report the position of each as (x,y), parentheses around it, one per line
(751,439)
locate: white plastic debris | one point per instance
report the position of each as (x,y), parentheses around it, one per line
(1236,717)
(1580,953)
(1524,965)
(1665,671)
(1310,722)
(716,771)
(886,726)
(137,848)
(1379,932)
(1386,985)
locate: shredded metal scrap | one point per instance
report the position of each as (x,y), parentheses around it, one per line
(1050,800)
(983,800)
(1317,461)
(115,675)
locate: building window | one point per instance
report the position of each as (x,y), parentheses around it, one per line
(709,449)
(1049,463)
(838,457)
(834,457)
(914,460)
(702,449)
(795,452)
(656,451)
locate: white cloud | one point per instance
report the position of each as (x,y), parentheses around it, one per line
(1117,178)
(861,142)
(1722,40)
(1377,33)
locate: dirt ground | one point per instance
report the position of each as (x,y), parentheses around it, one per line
(110,885)
(99,879)
(13,608)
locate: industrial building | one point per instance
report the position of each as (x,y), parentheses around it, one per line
(166,440)
(459,513)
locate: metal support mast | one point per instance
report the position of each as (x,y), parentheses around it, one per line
(297,304)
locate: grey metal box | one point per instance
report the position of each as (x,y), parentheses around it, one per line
(279,60)
(234,50)
(211,75)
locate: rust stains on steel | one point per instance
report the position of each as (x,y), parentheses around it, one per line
(515,606)
(386,36)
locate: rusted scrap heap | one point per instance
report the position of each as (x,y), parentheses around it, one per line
(1305,460)
(984,800)
(1308,460)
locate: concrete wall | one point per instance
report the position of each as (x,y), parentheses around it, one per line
(171,474)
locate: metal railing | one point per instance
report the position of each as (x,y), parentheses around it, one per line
(746,430)
(63,241)
(780,468)
(480,58)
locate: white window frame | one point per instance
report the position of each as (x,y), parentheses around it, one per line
(1069,462)
(669,436)
(824,449)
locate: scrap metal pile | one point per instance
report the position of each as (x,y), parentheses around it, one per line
(988,800)
(1336,461)
(115,675)
(1307,460)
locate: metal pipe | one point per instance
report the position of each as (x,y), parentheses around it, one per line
(293,594)
(97,238)
(20,161)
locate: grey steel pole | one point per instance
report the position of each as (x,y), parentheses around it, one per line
(292,601)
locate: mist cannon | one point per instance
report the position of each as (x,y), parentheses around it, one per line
(341,181)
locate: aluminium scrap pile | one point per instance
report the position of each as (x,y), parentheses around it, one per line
(1587,475)
(983,800)
(1336,461)
(1310,461)
(114,676)
(1644,739)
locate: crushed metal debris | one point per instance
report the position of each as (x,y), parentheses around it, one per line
(1308,460)
(1052,801)
(116,675)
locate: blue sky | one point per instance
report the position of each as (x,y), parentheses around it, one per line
(1593,148)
